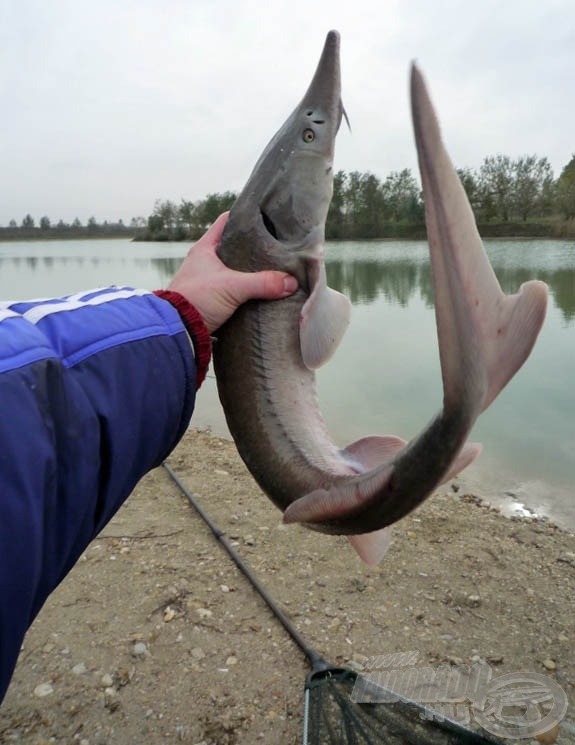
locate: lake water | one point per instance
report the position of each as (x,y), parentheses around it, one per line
(385,378)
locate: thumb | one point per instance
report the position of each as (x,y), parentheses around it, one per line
(267,285)
(213,235)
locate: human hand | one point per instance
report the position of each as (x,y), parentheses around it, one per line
(214,289)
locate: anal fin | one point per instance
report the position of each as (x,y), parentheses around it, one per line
(371,547)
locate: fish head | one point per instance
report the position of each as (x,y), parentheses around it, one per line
(288,194)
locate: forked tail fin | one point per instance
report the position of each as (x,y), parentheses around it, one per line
(484,335)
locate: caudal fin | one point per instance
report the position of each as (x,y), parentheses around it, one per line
(484,335)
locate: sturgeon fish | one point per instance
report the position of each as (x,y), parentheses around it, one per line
(266,354)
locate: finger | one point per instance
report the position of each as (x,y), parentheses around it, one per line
(213,235)
(268,285)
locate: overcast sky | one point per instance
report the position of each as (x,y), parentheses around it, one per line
(109,105)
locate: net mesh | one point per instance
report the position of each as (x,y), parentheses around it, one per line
(332,718)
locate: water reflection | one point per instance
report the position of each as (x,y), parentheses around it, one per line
(396,280)
(363,272)
(166,267)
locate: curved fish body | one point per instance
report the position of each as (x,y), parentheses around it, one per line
(265,355)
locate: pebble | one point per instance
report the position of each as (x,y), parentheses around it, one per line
(354,665)
(549,664)
(106,680)
(169,614)
(204,612)
(454,660)
(232,660)
(562,638)
(198,653)
(224,588)
(79,669)
(139,649)
(361,659)
(495,659)
(43,690)
(111,699)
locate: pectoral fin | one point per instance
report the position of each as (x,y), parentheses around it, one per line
(324,318)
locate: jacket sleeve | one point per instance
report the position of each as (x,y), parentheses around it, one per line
(95,390)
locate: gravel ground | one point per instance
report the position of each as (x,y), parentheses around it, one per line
(156,637)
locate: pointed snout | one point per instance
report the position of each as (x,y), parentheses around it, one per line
(324,92)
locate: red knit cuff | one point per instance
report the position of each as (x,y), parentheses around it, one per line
(197,329)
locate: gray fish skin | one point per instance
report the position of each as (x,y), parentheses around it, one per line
(267,392)
(265,355)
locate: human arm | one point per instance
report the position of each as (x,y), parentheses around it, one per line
(95,390)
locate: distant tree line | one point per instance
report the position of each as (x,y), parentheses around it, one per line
(362,206)
(504,194)
(47,229)
(508,197)
(185,221)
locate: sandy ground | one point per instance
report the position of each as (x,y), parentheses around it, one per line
(156,637)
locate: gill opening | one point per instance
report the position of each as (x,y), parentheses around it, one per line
(269,226)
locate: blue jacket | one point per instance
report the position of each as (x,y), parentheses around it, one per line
(95,390)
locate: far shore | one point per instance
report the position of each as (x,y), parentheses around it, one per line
(556,229)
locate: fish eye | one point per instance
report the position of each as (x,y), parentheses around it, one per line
(308,135)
